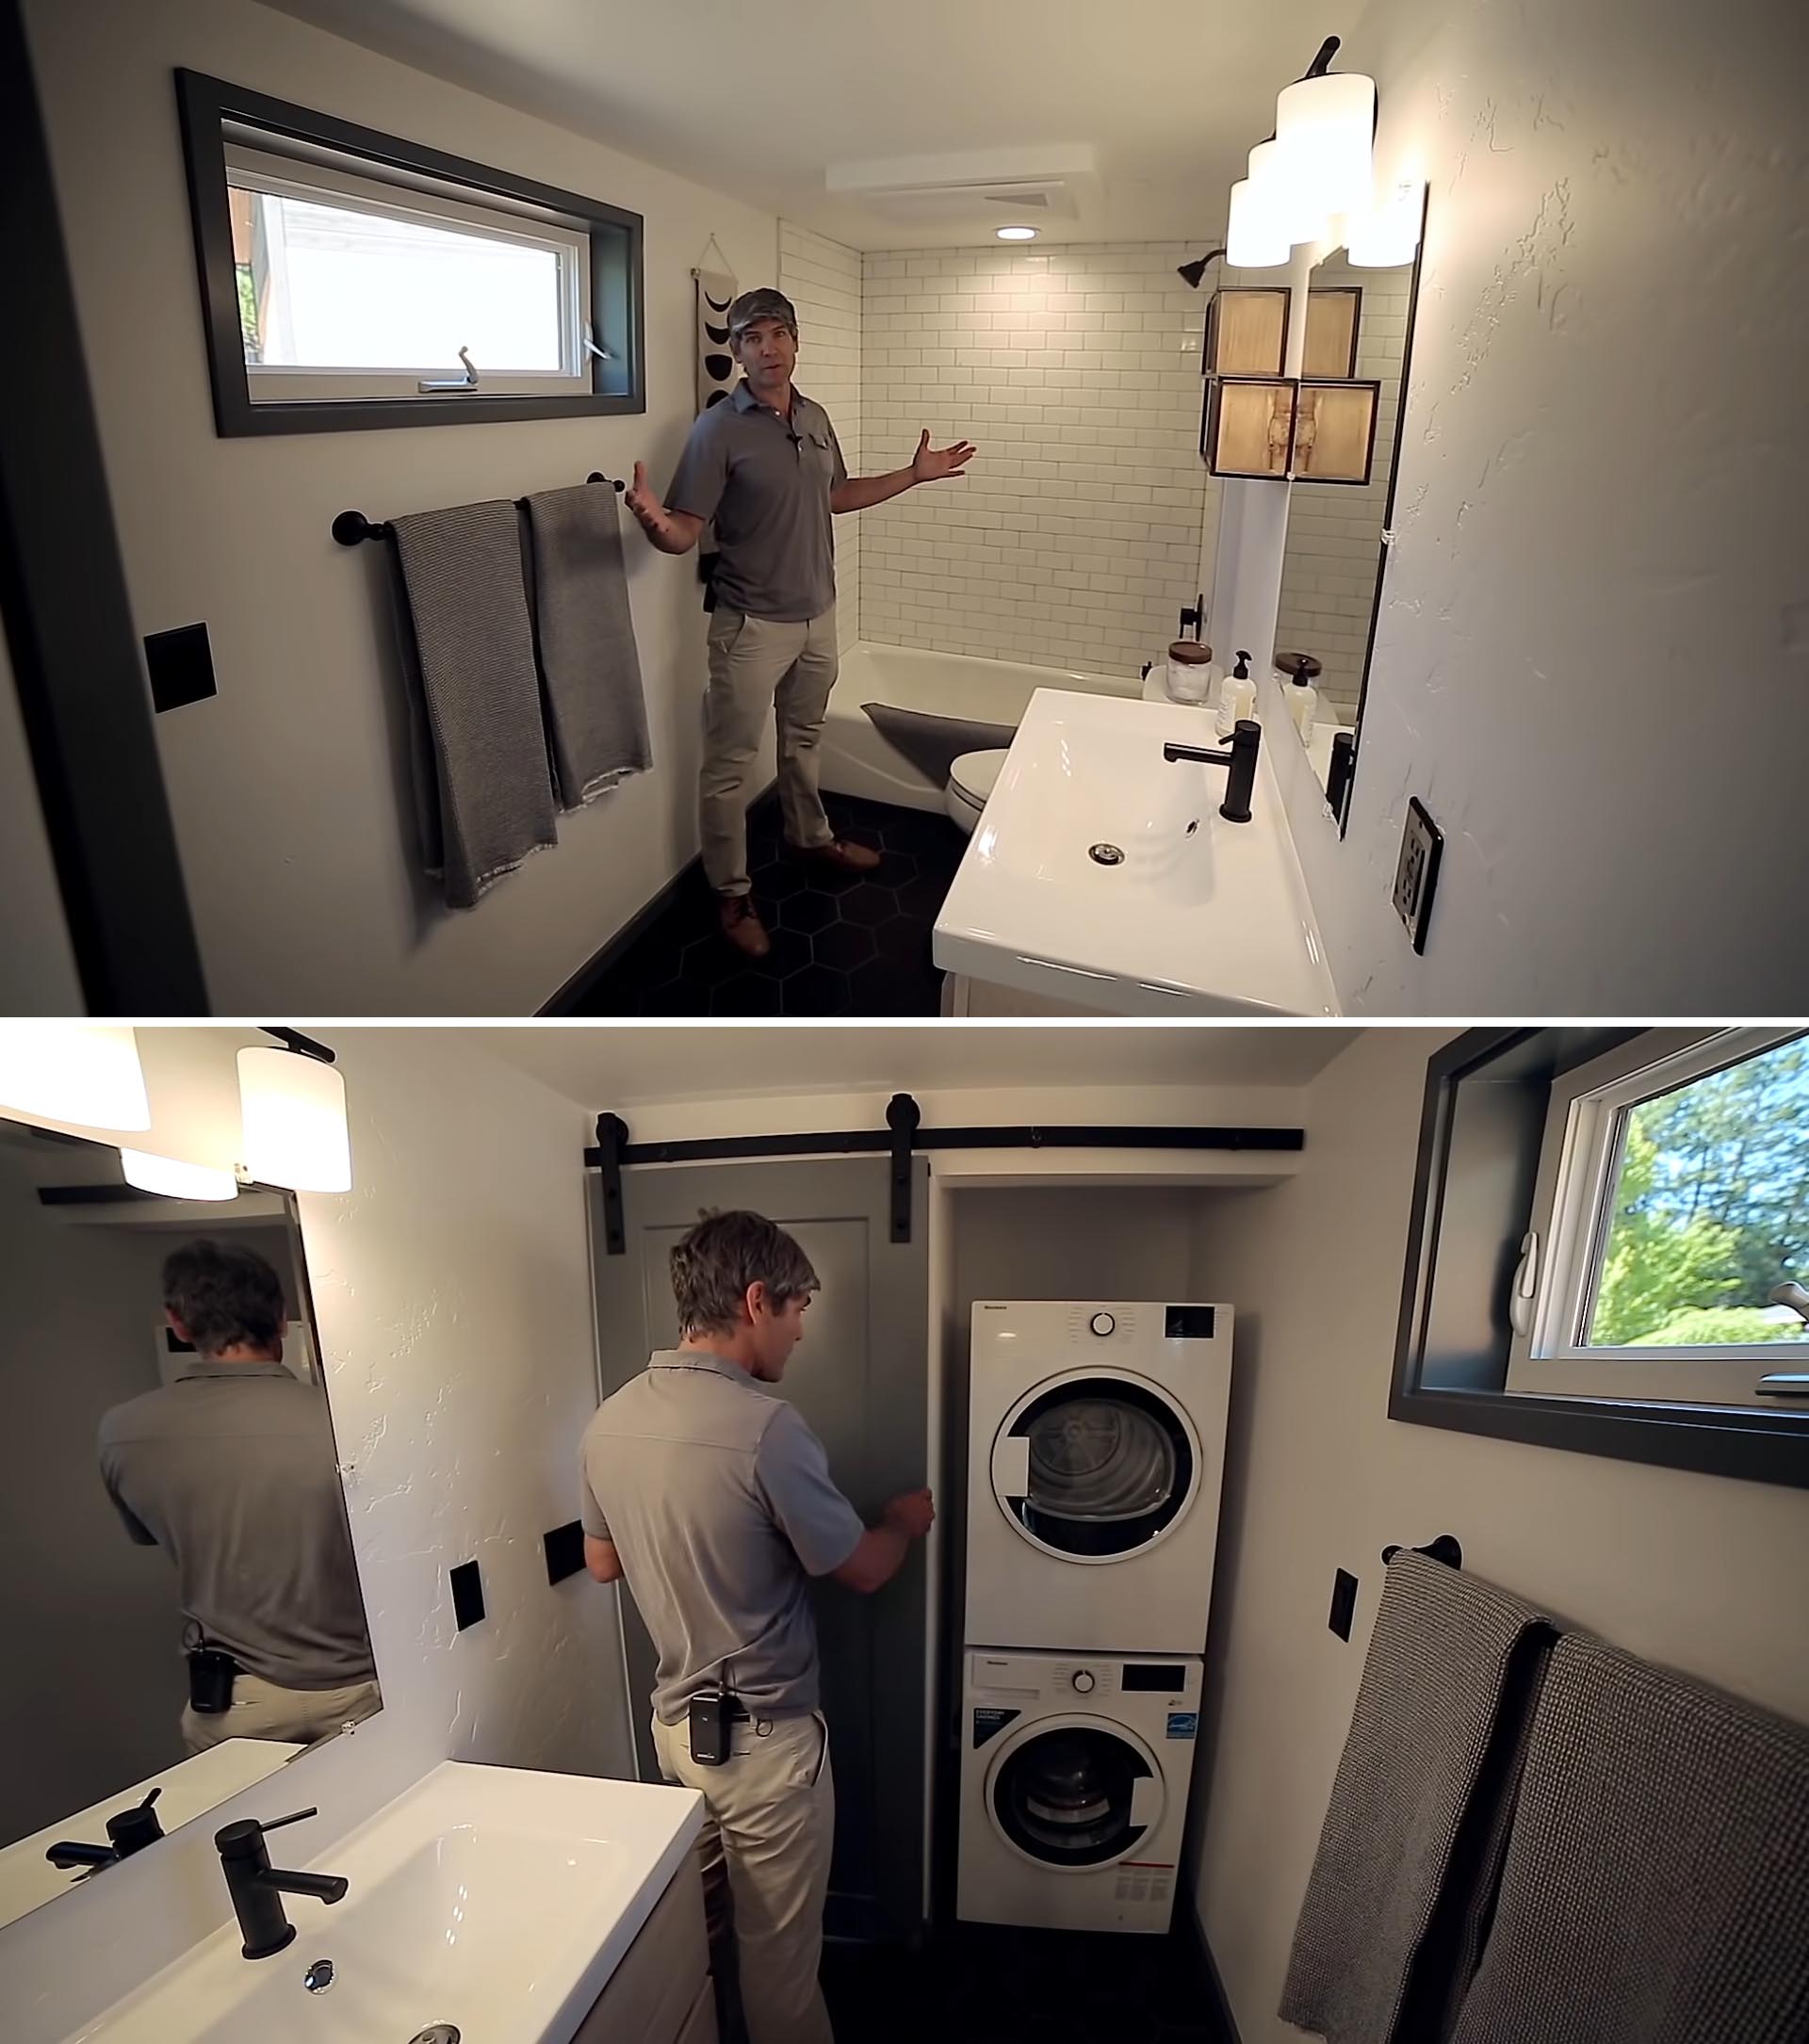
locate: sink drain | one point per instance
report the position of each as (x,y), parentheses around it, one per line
(436,2033)
(1106,854)
(319,1977)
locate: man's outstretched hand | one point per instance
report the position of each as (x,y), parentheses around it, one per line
(931,464)
(647,508)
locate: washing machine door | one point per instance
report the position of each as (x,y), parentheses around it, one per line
(1095,1465)
(1074,1792)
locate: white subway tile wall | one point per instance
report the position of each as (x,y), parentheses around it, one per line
(1078,533)
(1334,531)
(823,280)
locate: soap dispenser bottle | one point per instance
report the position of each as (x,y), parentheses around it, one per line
(1237,697)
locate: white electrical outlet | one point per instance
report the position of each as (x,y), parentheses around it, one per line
(1417,871)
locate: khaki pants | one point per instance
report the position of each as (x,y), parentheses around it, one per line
(756,664)
(259,1710)
(769,1826)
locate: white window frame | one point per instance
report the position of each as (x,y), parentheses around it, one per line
(1552,1300)
(260,170)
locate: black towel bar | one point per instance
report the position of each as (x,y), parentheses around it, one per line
(351,526)
(1445,1549)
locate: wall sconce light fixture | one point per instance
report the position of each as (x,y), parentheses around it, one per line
(77,1072)
(174,1179)
(293,1103)
(1388,237)
(1253,237)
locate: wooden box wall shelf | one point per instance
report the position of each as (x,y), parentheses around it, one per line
(1334,432)
(1334,315)
(1247,330)
(1248,427)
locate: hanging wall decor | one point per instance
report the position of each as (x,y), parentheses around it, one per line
(715,364)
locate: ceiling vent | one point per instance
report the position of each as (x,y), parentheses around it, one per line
(988,186)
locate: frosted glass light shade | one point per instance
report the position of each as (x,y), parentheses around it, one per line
(1388,236)
(1253,239)
(171,1177)
(1286,197)
(73,1072)
(293,1110)
(1322,129)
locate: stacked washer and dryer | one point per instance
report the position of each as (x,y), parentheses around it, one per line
(1095,1455)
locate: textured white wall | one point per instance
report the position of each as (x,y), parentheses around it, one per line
(822,281)
(289,789)
(1592,663)
(452,1289)
(1697,1572)
(1076,537)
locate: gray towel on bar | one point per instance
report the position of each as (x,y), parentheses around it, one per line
(483,790)
(1426,1760)
(933,744)
(596,710)
(1656,1887)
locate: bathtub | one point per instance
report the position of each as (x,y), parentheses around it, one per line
(855,760)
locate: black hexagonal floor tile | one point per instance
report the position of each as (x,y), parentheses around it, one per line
(843,945)
(807,911)
(779,879)
(747,993)
(920,899)
(816,991)
(677,997)
(869,903)
(892,985)
(708,961)
(791,954)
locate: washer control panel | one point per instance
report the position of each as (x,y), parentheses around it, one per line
(1101,1324)
(1084,1681)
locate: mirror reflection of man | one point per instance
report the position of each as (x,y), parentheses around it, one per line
(231,1471)
(765,464)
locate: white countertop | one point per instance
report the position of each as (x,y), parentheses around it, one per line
(1200,916)
(191,1789)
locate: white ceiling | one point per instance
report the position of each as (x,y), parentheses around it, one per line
(618,1066)
(761,101)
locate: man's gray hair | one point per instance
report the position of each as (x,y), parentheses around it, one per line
(762,303)
(226,1296)
(725,1253)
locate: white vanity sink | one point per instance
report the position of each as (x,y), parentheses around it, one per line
(1195,915)
(488,1898)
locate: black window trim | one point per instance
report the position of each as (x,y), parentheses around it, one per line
(617,292)
(1761,1446)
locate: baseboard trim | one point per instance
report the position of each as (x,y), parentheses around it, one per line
(1193,1928)
(601,963)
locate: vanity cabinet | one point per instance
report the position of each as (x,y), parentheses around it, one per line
(661,1992)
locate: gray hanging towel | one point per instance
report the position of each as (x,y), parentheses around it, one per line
(1427,1767)
(483,792)
(1656,1885)
(596,709)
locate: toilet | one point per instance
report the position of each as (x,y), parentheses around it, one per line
(972,779)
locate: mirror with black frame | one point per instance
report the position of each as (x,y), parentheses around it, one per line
(182,1609)
(1346,444)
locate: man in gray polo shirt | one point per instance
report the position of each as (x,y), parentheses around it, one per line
(766,466)
(231,1471)
(713,1499)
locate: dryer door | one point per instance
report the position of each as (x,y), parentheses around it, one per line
(1074,1792)
(1095,1464)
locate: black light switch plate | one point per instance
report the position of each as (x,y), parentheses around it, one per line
(1343,1602)
(467,1595)
(181,665)
(564,1548)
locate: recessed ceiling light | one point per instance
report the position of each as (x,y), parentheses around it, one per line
(1016,234)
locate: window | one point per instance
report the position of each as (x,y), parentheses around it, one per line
(352,279)
(348,289)
(1609,1243)
(1672,1203)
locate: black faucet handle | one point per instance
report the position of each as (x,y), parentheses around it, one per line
(276,1823)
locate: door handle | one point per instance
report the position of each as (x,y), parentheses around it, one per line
(1783,1384)
(1011,1465)
(1146,1799)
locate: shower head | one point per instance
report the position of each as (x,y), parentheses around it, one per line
(1195,271)
(1790,1294)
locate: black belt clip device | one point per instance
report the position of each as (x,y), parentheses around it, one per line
(711,1711)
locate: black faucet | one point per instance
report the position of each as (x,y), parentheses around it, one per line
(1239,757)
(128,1832)
(257,1887)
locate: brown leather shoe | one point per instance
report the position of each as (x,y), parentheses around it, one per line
(742,926)
(844,852)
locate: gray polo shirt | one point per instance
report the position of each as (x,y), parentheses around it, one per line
(718,1499)
(766,482)
(231,1471)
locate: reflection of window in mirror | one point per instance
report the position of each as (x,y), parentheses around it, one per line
(168,1480)
(1334,534)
